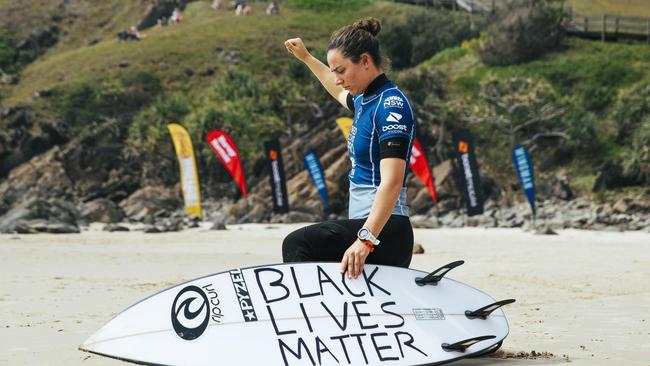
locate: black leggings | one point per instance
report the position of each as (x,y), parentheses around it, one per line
(327,241)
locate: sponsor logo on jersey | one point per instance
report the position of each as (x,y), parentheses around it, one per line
(393,117)
(394,101)
(463,147)
(394,127)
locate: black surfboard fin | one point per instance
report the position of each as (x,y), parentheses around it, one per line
(435,276)
(464,344)
(485,311)
(488,351)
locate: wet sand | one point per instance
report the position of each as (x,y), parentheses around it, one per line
(583,297)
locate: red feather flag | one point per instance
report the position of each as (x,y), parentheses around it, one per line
(226,151)
(419,165)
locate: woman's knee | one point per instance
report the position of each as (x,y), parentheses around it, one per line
(296,248)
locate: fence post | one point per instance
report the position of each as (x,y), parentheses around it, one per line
(604,30)
(586,24)
(648,33)
(616,27)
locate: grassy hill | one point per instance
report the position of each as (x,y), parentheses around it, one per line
(591,79)
(215,68)
(629,8)
(169,52)
(172,52)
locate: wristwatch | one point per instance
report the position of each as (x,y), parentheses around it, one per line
(365,235)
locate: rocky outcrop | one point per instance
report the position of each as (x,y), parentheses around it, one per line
(554,186)
(631,213)
(150,202)
(612,176)
(102,210)
(24,134)
(86,168)
(44,177)
(38,215)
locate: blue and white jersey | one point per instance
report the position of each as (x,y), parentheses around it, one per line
(381,113)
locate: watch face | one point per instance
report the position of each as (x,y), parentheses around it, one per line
(363,233)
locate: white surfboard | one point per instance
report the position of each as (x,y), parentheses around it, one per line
(306,314)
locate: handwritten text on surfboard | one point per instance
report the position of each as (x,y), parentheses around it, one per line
(361,327)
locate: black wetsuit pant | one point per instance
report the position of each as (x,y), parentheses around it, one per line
(327,242)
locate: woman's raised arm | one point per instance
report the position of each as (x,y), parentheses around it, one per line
(296,47)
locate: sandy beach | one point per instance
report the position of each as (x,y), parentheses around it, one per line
(583,297)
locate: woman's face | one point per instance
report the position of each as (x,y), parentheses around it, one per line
(352,77)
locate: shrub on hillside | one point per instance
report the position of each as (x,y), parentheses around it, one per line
(521,33)
(8,53)
(11,58)
(422,83)
(423,34)
(631,110)
(594,81)
(522,107)
(149,126)
(86,101)
(637,163)
(236,103)
(15,53)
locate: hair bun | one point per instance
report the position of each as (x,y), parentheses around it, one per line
(371,25)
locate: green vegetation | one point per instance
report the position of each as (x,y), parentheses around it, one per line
(236,103)
(93,100)
(201,43)
(602,90)
(13,60)
(421,34)
(216,70)
(523,33)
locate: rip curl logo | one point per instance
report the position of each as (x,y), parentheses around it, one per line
(394,101)
(190,313)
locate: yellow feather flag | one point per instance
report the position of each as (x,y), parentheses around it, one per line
(187,163)
(345,124)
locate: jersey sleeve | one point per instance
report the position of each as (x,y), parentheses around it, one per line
(394,118)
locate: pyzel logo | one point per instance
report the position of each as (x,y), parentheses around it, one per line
(394,117)
(394,101)
(190,317)
(243,297)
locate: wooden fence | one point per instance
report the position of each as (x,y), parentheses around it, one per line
(609,27)
(603,27)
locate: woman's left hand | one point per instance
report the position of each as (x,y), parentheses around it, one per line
(354,259)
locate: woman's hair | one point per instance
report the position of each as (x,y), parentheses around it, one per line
(353,40)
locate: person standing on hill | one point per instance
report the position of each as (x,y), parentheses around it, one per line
(378,230)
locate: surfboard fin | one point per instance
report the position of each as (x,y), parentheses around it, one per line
(488,351)
(464,344)
(485,311)
(435,276)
